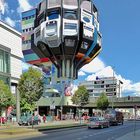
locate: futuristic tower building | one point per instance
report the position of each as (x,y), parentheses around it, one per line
(66,32)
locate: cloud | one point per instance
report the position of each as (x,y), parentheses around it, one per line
(24,5)
(3,7)
(98,68)
(81,73)
(94,66)
(9,21)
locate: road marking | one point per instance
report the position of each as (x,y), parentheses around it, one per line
(79,138)
(85,137)
(109,130)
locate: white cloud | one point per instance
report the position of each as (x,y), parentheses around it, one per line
(94,66)
(104,72)
(98,68)
(81,73)
(12,11)
(9,21)
(24,5)
(3,6)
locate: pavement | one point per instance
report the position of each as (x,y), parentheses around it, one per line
(14,131)
(11,131)
(131,136)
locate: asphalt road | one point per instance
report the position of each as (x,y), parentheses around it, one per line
(111,133)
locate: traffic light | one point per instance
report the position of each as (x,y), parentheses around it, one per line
(128,97)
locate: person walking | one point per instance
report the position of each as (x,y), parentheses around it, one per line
(44,118)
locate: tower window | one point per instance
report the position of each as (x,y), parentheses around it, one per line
(69,14)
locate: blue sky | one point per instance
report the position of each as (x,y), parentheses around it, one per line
(120,28)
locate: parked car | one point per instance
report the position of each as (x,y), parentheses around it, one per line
(31,120)
(98,122)
(114,117)
(3,120)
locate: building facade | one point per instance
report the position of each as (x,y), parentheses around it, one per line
(10,55)
(63,32)
(108,85)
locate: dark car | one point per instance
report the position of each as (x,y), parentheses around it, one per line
(98,122)
(114,117)
(3,120)
(31,120)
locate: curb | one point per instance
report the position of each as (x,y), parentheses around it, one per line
(49,130)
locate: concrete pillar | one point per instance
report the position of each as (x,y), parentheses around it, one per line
(17,105)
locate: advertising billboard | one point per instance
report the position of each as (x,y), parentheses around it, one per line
(86,17)
(68,89)
(70,27)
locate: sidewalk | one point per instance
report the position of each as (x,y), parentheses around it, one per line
(49,123)
(15,131)
(131,136)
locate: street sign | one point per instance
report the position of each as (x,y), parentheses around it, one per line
(52,107)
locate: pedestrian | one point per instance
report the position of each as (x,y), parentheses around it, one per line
(44,118)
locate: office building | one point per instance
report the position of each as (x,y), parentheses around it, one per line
(10,55)
(108,85)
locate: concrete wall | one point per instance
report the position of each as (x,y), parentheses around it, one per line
(10,38)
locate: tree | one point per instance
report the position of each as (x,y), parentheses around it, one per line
(30,88)
(6,97)
(81,96)
(102,102)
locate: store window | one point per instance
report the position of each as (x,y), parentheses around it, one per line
(4,62)
(5,79)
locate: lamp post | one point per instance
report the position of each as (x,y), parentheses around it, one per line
(113,89)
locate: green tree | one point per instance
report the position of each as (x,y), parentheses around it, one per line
(102,102)
(30,88)
(6,97)
(81,96)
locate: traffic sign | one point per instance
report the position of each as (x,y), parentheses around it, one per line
(52,107)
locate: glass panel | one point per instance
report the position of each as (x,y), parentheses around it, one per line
(4,62)
(53,15)
(54,3)
(84,45)
(86,5)
(1,61)
(7,63)
(70,14)
(51,28)
(71,2)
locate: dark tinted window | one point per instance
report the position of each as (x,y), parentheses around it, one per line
(53,15)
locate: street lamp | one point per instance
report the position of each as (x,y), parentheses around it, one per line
(113,89)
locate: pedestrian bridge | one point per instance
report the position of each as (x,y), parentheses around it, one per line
(123,102)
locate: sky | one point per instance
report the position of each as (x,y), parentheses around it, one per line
(120,28)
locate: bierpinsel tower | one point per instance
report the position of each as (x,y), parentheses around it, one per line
(65,32)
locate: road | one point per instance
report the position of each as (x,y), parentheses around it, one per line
(110,133)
